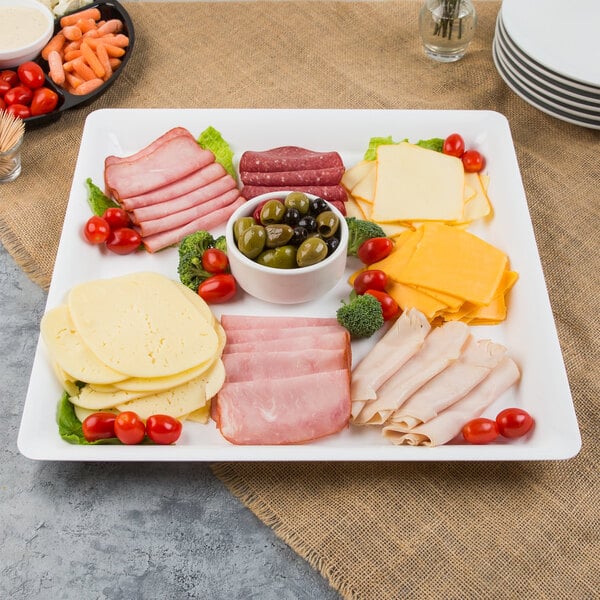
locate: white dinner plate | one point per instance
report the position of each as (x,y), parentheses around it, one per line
(529,331)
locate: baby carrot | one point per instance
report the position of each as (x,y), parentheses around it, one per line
(89,13)
(88,86)
(113,51)
(72,32)
(73,80)
(120,40)
(111,26)
(57,72)
(83,70)
(92,60)
(104,60)
(115,63)
(56,43)
(86,25)
(71,54)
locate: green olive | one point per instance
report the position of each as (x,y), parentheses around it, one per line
(278,234)
(327,223)
(299,201)
(252,241)
(283,257)
(311,251)
(241,225)
(272,212)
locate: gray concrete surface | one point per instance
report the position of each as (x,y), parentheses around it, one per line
(121,531)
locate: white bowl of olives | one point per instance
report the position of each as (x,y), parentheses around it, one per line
(287,247)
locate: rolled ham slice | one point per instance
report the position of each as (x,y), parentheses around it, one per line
(285,333)
(440,348)
(449,423)
(291,410)
(193,182)
(169,162)
(231,322)
(326,176)
(288,158)
(404,338)
(328,192)
(316,340)
(452,384)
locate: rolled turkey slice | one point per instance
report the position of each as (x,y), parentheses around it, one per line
(449,423)
(404,338)
(291,410)
(440,348)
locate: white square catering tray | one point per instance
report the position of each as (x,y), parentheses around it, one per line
(529,331)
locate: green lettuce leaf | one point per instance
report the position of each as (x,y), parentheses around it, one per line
(371,153)
(97,199)
(211,139)
(432,144)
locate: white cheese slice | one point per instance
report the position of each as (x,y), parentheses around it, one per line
(354,174)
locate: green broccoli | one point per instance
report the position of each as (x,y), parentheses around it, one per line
(359,231)
(221,243)
(362,316)
(191,249)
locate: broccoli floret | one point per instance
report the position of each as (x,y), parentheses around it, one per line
(221,243)
(359,231)
(191,249)
(362,316)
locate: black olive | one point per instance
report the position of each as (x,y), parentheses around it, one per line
(332,245)
(308,222)
(291,217)
(317,206)
(299,235)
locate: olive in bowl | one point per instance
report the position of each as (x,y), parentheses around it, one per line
(287,252)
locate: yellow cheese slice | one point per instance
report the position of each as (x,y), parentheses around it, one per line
(409,297)
(200,415)
(415,183)
(478,205)
(365,188)
(92,399)
(354,174)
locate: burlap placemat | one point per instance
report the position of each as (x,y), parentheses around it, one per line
(378,531)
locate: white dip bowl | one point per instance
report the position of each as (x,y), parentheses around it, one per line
(26,26)
(285,286)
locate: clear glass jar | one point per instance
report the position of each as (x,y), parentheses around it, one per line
(447,27)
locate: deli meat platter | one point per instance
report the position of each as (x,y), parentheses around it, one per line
(529,331)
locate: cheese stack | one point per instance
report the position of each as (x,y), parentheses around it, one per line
(448,274)
(140,342)
(408,185)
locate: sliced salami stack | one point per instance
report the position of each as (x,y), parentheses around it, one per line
(172,188)
(293,168)
(287,380)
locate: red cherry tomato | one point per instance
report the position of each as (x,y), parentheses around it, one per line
(514,422)
(473,161)
(218,288)
(31,75)
(129,428)
(371,279)
(4,87)
(2,104)
(18,95)
(215,261)
(123,240)
(96,230)
(454,145)
(480,431)
(116,217)
(19,110)
(375,249)
(44,101)
(99,426)
(389,306)
(10,76)
(163,429)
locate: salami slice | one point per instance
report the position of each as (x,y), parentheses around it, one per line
(332,193)
(327,176)
(288,158)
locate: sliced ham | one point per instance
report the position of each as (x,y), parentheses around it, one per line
(327,192)
(154,243)
(324,342)
(291,410)
(326,176)
(190,183)
(285,333)
(231,322)
(448,424)
(169,162)
(288,158)
(245,366)
(182,217)
(440,348)
(404,338)
(452,384)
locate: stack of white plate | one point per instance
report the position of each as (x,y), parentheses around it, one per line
(548,53)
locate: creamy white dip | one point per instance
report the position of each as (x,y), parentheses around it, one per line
(20,26)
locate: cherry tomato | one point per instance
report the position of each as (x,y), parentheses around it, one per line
(514,422)
(480,431)
(218,288)
(130,429)
(163,429)
(10,76)
(473,161)
(123,240)
(19,110)
(215,261)
(375,249)
(371,279)
(389,306)
(116,217)
(44,101)
(96,230)
(454,145)
(2,104)
(18,95)
(31,75)
(4,87)
(99,426)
